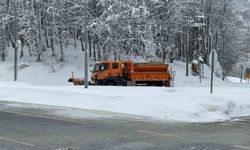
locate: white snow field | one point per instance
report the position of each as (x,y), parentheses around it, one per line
(193,104)
(189,100)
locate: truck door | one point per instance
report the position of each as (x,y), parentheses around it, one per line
(116,69)
(104,71)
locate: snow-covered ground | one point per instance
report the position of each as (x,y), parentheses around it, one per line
(49,73)
(189,100)
(179,103)
(237,80)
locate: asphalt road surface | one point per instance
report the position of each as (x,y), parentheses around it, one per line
(28,127)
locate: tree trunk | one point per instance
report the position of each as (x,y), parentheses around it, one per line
(3,57)
(181,47)
(164,56)
(53,47)
(53,42)
(61,47)
(90,45)
(75,37)
(99,52)
(29,48)
(38,51)
(41,44)
(47,39)
(94,48)
(82,44)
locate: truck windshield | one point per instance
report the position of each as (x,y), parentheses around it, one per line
(104,67)
(96,68)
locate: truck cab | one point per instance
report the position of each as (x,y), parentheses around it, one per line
(107,73)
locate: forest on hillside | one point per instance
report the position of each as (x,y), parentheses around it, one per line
(155,29)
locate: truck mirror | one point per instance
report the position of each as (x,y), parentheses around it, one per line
(102,68)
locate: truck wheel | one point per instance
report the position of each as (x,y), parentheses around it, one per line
(167,83)
(152,84)
(110,83)
(124,83)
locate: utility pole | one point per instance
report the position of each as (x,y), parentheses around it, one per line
(241,73)
(186,52)
(86,83)
(212,63)
(212,73)
(223,57)
(15,41)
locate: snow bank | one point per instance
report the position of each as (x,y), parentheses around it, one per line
(182,81)
(180,103)
(236,80)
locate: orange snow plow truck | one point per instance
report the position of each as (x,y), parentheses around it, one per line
(127,73)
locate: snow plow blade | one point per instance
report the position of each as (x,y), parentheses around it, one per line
(76,81)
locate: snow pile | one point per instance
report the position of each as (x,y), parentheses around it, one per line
(236,80)
(193,104)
